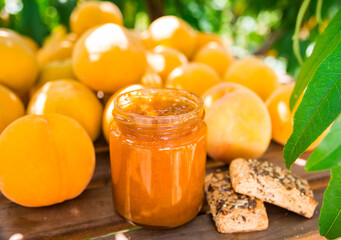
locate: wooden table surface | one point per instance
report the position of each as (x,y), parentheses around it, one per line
(92,215)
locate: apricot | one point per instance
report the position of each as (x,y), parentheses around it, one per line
(163,60)
(56,50)
(282,117)
(171,31)
(238,122)
(57,34)
(89,14)
(193,77)
(24,96)
(18,68)
(215,56)
(56,70)
(108,58)
(253,73)
(33,45)
(52,71)
(109,107)
(11,107)
(45,160)
(151,79)
(72,99)
(146,39)
(203,38)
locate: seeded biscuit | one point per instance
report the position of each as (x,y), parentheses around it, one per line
(233,212)
(272,184)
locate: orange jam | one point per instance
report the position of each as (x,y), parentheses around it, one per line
(158,155)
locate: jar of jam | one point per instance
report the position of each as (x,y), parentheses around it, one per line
(158,156)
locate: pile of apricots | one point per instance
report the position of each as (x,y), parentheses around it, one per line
(57,99)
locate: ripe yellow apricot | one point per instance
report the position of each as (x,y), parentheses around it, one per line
(45,160)
(146,39)
(56,70)
(57,34)
(33,45)
(18,68)
(215,56)
(203,38)
(282,117)
(72,99)
(56,50)
(238,122)
(108,58)
(52,71)
(89,14)
(193,77)
(109,107)
(151,79)
(171,31)
(11,107)
(253,73)
(163,60)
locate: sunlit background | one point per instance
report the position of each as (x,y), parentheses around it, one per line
(263,27)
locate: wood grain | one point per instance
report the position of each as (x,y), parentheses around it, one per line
(88,215)
(282,225)
(92,213)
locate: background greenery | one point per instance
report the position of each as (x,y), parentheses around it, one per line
(252,27)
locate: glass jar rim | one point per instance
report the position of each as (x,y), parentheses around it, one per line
(195,113)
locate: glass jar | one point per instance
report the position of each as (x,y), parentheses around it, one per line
(158,156)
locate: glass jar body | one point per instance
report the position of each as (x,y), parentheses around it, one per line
(158,179)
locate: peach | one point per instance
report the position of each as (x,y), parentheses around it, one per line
(238,122)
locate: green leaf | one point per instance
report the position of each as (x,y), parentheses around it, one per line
(327,154)
(330,216)
(325,44)
(31,23)
(64,9)
(320,106)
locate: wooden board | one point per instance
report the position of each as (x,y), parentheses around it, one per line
(92,215)
(282,224)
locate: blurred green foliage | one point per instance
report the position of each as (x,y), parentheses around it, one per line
(262,27)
